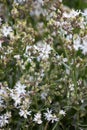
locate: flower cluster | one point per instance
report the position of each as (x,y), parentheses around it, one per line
(43,66)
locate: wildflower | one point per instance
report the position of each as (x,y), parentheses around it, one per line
(77,41)
(8,114)
(20,89)
(1,41)
(6,30)
(72,14)
(50,117)
(37,118)
(19,1)
(0,21)
(24,113)
(44,50)
(84,12)
(84,46)
(4,119)
(16,97)
(17,57)
(62,112)
(43,95)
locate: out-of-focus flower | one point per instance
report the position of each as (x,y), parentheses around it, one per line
(77,42)
(24,113)
(1,41)
(44,95)
(62,112)
(20,89)
(84,45)
(4,119)
(19,1)
(0,21)
(6,30)
(37,118)
(16,97)
(44,50)
(84,12)
(71,14)
(17,57)
(50,117)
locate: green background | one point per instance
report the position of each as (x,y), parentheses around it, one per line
(77,4)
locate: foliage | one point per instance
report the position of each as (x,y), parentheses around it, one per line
(43,66)
(77,4)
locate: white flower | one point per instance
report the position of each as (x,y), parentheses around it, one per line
(16,97)
(50,117)
(71,14)
(37,118)
(24,113)
(84,12)
(62,112)
(0,21)
(20,88)
(17,92)
(48,114)
(44,50)
(77,43)
(4,119)
(8,114)
(1,43)
(17,57)
(19,1)
(54,118)
(6,30)
(84,45)
(69,37)
(65,60)
(43,95)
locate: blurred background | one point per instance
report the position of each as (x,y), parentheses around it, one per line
(77,4)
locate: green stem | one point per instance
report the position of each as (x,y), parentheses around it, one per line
(74,76)
(46,126)
(55,126)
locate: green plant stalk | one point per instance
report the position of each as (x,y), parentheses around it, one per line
(74,76)
(69,66)
(55,126)
(46,126)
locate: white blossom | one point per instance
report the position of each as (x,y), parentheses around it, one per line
(43,95)
(20,1)
(62,112)
(71,14)
(20,88)
(24,113)
(84,45)
(4,119)
(44,50)
(77,43)
(37,118)
(50,117)
(0,20)
(16,97)
(6,30)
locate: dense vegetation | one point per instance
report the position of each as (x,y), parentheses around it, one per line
(43,65)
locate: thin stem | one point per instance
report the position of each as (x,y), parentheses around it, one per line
(46,126)
(55,126)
